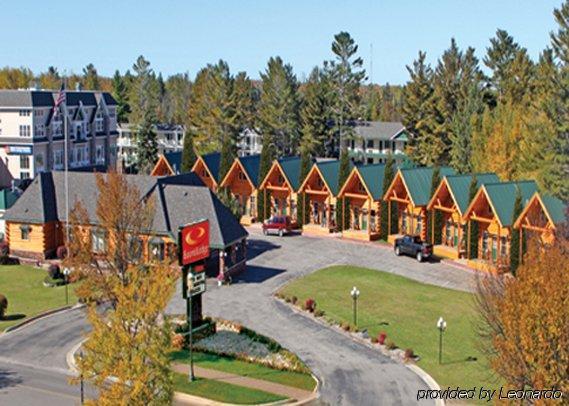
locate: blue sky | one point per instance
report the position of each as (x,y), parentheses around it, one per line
(183,36)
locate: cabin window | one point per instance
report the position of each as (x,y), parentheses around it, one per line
(205,174)
(280,179)
(404,221)
(503,247)
(484,243)
(242,176)
(135,247)
(98,241)
(25,231)
(419,225)
(319,183)
(448,233)
(361,188)
(372,222)
(156,248)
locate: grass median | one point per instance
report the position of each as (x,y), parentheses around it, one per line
(407,311)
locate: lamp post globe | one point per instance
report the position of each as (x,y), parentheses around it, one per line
(66,273)
(442,326)
(355,293)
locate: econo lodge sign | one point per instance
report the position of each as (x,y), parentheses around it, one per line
(194,242)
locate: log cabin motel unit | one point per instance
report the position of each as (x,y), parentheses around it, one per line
(35,224)
(242,180)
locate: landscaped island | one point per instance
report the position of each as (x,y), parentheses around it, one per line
(407,312)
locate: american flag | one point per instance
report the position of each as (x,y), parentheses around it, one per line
(60,99)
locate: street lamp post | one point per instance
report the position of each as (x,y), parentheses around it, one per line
(355,293)
(442,326)
(66,273)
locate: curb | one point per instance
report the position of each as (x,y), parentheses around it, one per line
(424,376)
(187,399)
(41,316)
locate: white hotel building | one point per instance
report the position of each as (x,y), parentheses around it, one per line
(31,136)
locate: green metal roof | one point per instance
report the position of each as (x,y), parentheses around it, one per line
(7,199)
(460,187)
(251,165)
(418,181)
(212,160)
(291,169)
(331,172)
(372,176)
(555,208)
(503,196)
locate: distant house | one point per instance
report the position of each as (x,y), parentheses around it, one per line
(169,137)
(35,225)
(493,208)
(409,194)
(31,135)
(452,198)
(375,140)
(320,190)
(250,142)
(362,193)
(281,185)
(242,180)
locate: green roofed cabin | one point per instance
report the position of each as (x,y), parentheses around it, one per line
(207,168)
(540,218)
(451,199)
(321,188)
(281,186)
(409,194)
(363,192)
(7,199)
(242,180)
(493,208)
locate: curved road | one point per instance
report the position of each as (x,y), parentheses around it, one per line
(33,368)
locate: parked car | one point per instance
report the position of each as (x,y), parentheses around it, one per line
(414,246)
(280,225)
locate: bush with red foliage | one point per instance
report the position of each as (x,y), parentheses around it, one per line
(61,252)
(381,338)
(310,305)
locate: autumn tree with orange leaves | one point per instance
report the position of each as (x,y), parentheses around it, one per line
(125,355)
(525,319)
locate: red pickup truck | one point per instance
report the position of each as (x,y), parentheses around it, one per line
(277,225)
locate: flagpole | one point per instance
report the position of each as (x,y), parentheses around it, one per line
(65,168)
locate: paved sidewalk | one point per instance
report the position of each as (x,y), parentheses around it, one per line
(266,386)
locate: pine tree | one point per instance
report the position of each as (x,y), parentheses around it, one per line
(346,75)
(303,202)
(315,115)
(188,153)
(120,94)
(226,158)
(482,129)
(499,57)
(178,92)
(266,160)
(419,113)
(91,78)
(515,243)
(388,175)
(342,204)
(462,129)
(473,237)
(279,107)
(244,98)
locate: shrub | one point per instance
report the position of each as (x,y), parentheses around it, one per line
(319,313)
(409,354)
(287,299)
(178,341)
(3,305)
(310,305)
(51,282)
(294,299)
(54,272)
(345,326)
(4,253)
(374,340)
(390,345)
(61,252)
(381,338)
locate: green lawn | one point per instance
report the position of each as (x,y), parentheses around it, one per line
(23,287)
(223,392)
(407,311)
(238,367)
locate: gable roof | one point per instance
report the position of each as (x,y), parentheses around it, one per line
(46,98)
(174,159)
(251,164)
(379,130)
(502,197)
(291,168)
(459,186)
(372,176)
(7,198)
(555,208)
(330,171)
(212,160)
(179,200)
(418,182)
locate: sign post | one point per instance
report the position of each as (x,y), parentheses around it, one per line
(193,249)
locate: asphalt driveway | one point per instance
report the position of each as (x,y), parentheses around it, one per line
(350,373)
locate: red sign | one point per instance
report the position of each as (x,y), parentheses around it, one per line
(194,242)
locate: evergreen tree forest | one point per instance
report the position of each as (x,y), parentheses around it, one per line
(476,110)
